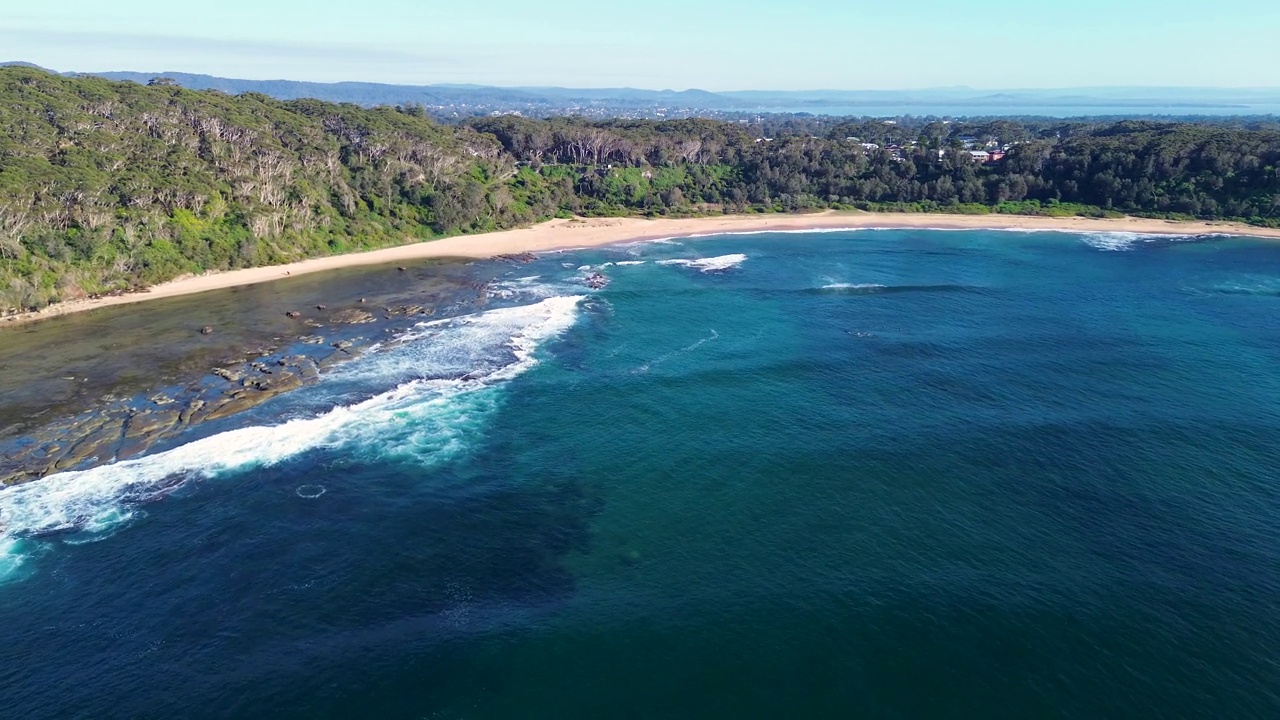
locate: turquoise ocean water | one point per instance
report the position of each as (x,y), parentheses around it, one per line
(889,474)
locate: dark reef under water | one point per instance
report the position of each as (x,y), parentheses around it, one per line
(889,474)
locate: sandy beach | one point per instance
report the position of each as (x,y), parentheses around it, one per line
(565,234)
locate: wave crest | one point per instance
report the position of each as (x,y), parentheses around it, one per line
(711,264)
(878,289)
(445,375)
(1125,241)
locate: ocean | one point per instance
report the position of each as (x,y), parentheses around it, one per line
(876,473)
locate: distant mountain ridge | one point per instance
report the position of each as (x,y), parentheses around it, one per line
(559,98)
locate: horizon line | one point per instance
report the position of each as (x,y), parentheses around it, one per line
(935,88)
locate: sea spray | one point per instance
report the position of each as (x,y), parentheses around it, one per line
(445,376)
(1125,241)
(711,264)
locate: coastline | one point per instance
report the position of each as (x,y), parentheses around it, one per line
(566,234)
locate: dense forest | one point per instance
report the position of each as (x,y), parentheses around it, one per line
(108,186)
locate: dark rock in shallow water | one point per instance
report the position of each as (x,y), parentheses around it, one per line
(250,371)
(15,477)
(231,375)
(98,439)
(309,371)
(142,430)
(407,310)
(595,281)
(191,409)
(521,258)
(150,423)
(321,307)
(352,316)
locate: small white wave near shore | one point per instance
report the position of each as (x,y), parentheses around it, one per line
(1125,241)
(444,374)
(711,264)
(852,286)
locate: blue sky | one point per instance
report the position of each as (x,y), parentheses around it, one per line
(709,44)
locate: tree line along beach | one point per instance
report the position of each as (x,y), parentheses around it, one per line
(111,187)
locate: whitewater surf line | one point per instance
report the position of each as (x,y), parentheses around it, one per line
(444,377)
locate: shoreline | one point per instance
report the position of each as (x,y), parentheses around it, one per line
(577,233)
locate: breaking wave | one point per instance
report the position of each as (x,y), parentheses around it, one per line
(1258,286)
(444,378)
(1124,241)
(877,289)
(711,264)
(646,367)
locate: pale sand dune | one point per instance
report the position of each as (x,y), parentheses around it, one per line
(589,232)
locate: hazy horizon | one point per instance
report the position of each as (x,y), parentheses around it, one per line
(713,45)
(814,90)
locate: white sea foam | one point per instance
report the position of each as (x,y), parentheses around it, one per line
(711,264)
(444,376)
(530,288)
(646,367)
(626,263)
(1249,285)
(702,341)
(852,286)
(309,492)
(11,556)
(1124,241)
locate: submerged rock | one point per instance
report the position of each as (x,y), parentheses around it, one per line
(192,408)
(98,440)
(16,477)
(407,310)
(352,316)
(129,425)
(231,375)
(522,258)
(150,423)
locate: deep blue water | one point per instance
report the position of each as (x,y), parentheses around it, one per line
(888,474)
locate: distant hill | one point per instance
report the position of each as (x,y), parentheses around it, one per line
(479,99)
